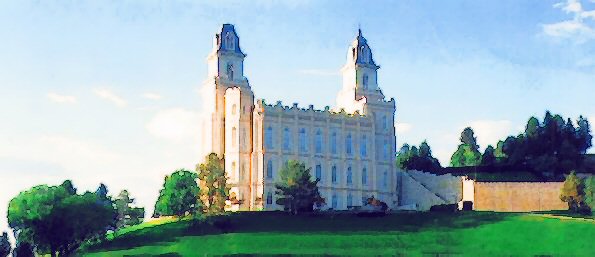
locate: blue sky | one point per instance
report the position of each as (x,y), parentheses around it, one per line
(106,91)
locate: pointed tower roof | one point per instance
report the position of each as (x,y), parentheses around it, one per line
(227,40)
(360,52)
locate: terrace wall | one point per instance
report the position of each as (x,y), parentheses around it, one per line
(518,196)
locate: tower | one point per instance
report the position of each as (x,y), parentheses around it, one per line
(228,103)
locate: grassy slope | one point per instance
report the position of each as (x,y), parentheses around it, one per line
(473,234)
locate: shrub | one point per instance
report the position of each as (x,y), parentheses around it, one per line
(444,208)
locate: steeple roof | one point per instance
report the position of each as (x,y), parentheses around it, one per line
(227,40)
(359,51)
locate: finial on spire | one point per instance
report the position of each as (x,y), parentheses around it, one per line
(359,30)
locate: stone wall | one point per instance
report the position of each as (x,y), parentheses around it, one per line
(422,190)
(518,196)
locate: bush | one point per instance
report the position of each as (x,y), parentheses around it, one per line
(445,208)
(467,205)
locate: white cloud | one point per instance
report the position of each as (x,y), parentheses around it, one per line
(110,96)
(319,72)
(489,132)
(152,96)
(176,124)
(575,28)
(63,99)
(402,127)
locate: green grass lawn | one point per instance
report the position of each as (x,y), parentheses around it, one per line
(408,234)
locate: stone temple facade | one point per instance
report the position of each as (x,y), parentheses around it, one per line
(350,147)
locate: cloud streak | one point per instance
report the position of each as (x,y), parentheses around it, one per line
(110,96)
(61,99)
(576,28)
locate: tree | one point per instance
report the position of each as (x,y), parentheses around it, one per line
(179,195)
(572,192)
(127,215)
(23,249)
(296,190)
(467,153)
(488,158)
(57,221)
(589,198)
(4,245)
(414,159)
(214,188)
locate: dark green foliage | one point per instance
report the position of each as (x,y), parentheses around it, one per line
(4,245)
(179,195)
(214,188)
(488,158)
(550,148)
(127,214)
(589,198)
(414,159)
(467,153)
(296,190)
(57,221)
(23,249)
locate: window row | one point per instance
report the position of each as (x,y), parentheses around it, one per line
(318,141)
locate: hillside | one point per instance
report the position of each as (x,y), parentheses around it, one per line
(269,233)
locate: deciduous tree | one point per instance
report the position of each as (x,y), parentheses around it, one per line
(4,245)
(214,188)
(572,192)
(467,153)
(179,195)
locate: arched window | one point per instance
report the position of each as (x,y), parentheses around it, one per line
(229,42)
(268,137)
(286,141)
(349,176)
(233,109)
(302,138)
(349,200)
(269,198)
(270,169)
(334,142)
(364,176)
(363,53)
(348,144)
(319,172)
(318,141)
(365,81)
(234,140)
(334,174)
(363,146)
(230,71)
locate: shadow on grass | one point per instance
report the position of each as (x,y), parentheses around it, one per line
(279,222)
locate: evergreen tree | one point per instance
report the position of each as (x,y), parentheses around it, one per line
(589,198)
(214,188)
(296,190)
(414,159)
(4,245)
(488,158)
(127,215)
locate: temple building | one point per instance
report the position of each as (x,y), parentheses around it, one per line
(350,147)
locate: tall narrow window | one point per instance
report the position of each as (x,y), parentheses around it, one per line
(334,202)
(230,71)
(363,146)
(349,200)
(384,122)
(268,137)
(385,179)
(363,53)
(334,142)
(348,144)
(233,109)
(234,134)
(270,169)
(233,169)
(269,198)
(243,172)
(364,176)
(334,174)
(365,81)
(349,176)
(302,137)
(319,172)
(318,141)
(286,141)
(229,44)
